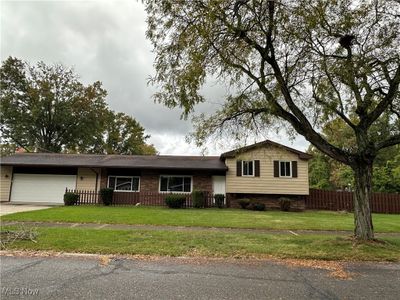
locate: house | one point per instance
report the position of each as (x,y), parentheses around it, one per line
(264,171)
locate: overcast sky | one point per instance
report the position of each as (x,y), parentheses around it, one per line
(105,41)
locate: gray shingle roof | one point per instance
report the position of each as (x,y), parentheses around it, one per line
(211,163)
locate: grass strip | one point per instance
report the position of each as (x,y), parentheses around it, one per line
(206,244)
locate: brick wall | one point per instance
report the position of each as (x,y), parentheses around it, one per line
(270,201)
(103,178)
(202,182)
(149,181)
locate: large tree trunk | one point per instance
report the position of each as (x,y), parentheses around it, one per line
(362,194)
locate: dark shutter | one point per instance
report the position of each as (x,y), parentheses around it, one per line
(238,168)
(257,168)
(276,168)
(294,168)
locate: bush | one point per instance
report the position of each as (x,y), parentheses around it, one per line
(175,201)
(70,199)
(285,203)
(219,200)
(106,196)
(258,206)
(199,199)
(244,203)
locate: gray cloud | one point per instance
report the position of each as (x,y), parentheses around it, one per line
(105,41)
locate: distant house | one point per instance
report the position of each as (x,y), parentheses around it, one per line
(264,171)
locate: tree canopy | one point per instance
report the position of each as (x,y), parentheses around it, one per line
(300,63)
(326,173)
(45,108)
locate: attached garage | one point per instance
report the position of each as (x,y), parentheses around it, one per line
(45,188)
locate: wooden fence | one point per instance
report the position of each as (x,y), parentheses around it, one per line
(133,198)
(318,199)
(338,200)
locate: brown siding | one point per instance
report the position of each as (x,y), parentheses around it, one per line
(5,182)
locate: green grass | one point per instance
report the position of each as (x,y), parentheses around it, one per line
(233,218)
(209,244)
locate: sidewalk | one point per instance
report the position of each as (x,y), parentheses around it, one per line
(183,228)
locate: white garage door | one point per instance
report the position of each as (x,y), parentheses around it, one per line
(41,187)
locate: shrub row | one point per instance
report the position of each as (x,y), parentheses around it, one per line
(175,201)
(199,199)
(106,196)
(284,204)
(247,204)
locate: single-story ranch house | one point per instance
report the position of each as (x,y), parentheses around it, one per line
(264,171)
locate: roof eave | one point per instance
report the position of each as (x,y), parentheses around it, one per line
(234,153)
(222,168)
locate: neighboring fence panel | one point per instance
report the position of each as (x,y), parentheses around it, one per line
(333,200)
(133,198)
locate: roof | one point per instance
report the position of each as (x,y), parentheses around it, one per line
(233,153)
(207,163)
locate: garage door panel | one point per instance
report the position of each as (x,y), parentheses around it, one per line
(41,187)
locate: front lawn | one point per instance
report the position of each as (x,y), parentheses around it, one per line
(232,218)
(209,244)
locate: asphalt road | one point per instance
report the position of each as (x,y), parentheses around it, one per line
(87,278)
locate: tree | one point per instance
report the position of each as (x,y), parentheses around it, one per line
(319,170)
(387,177)
(45,108)
(341,176)
(124,135)
(303,63)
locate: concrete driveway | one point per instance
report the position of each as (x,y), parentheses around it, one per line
(10,208)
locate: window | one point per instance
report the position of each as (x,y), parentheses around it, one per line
(124,183)
(176,184)
(247,168)
(285,169)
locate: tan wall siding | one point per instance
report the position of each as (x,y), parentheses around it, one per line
(88,181)
(5,182)
(267,183)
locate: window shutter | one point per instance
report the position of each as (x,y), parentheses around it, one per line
(294,168)
(238,168)
(276,168)
(257,168)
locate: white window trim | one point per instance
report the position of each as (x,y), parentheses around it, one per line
(291,168)
(121,191)
(254,168)
(175,192)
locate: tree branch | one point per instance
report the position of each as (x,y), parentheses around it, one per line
(387,100)
(393,140)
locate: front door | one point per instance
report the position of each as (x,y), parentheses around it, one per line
(219,185)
